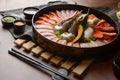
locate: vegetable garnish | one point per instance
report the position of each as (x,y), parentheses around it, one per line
(84,22)
(81,27)
(57,33)
(80,31)
(100,22)
(92,38)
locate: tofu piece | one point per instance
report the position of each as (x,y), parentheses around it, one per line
(46,55)
(37,50)
(83,65)
(29,45)
(68,64)
(19,42)
(56,60)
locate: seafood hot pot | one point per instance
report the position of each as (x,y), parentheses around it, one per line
(71,51)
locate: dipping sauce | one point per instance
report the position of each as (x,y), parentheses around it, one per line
(9,19)
(19,23)
(19,26)
(30,11)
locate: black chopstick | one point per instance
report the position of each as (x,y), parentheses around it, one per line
(36,63)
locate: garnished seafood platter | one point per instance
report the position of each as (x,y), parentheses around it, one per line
(75,31)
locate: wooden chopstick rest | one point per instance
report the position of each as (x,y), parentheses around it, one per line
(29,45)
(19,42)
(83,65)
(46,55)
(68,64)
(56,60)
(37,50)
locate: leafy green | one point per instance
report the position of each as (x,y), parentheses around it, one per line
(92,38)
(84,22)
(87,40)
(57,33)
(84,40)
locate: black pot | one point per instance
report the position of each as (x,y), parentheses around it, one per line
(69,51)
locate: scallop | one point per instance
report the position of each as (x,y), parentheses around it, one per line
(88,32)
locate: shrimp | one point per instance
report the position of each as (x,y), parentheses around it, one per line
(47,20)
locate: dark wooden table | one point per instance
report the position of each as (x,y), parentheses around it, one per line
(12,68)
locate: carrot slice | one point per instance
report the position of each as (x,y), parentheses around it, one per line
(100,22)
(80,31)
(98,34)
(91,16)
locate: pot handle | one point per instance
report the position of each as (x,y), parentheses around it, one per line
(56,2)
(2,14)
(14,15)
(118,24)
